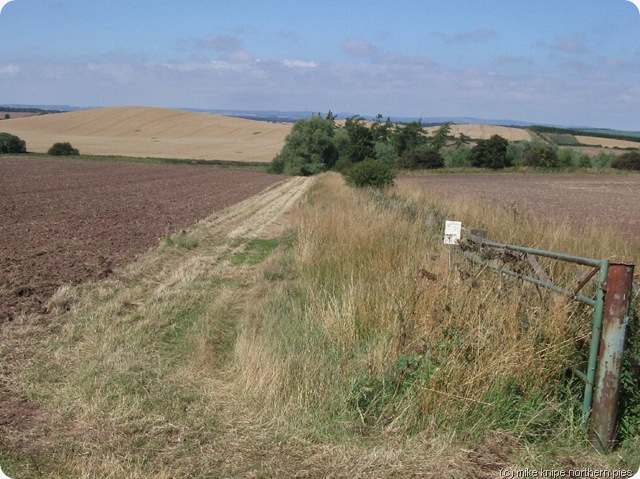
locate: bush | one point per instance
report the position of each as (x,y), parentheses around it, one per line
(603,160)
(456,157)
(627,161)
(421,159)
(491,153)
(63,149)
(11,144)
(370,172)
(542,156)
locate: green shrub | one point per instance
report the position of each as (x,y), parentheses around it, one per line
(370,172)
(627,161)
(421,159)
(11,144)
(542,156)
(63,149)
(603,160)
(456,157)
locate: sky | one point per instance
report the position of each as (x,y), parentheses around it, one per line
(560,62)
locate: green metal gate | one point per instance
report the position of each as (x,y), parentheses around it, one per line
(611,309)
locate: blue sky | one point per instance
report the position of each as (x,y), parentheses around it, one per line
(565,62)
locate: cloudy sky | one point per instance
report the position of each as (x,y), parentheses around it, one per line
(564,62)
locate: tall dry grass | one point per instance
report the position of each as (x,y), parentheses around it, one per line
(382,325)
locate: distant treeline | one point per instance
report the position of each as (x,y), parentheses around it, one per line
(37,111)
(596,133)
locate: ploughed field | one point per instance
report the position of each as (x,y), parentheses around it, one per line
(65,221)
(582,201)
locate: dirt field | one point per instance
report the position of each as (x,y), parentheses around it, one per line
(583,200)
(152,132)
(68,221)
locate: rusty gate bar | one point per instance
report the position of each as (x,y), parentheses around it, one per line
(531,279)
(617,301)
(538,252)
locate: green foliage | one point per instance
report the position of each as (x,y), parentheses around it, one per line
(421,158)
(361,145)
(627,161)
(566,157)
(385,152)
(408,137)
(457,157)
(542,156)
(441,137)
(603,160)
(11,144)
(370,172)
(181,240)
(308,148)
(375,397)
(491,153)
(63,149)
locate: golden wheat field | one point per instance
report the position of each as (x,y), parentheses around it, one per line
(152,132)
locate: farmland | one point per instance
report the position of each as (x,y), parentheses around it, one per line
(180,321)
(583,201)
(70,221)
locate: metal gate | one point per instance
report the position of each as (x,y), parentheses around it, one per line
(611,315)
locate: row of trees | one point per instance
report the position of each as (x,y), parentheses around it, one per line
(320,144)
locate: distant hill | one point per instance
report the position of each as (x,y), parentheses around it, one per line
(152,132)
(249,136)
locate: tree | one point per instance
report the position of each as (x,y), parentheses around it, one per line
(308,148)
(491,153)
(11,144)
(361,143)
(63,149)
(408,137)
(440,137)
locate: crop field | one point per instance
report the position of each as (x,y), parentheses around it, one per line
(70,221)
(581,200)
(152,132)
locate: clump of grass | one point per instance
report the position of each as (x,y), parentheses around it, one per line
(182,240)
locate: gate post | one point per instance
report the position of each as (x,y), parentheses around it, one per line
(607,386)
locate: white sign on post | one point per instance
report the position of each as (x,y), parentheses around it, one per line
(452,232)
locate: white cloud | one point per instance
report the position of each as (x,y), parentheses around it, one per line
(9,70)
(299,64)
(360,49)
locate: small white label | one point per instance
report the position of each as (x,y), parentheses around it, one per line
(452,232)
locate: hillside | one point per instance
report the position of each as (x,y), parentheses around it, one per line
(152,132)
(164,133)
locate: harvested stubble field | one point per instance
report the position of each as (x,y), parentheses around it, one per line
(581,201)
(69,221)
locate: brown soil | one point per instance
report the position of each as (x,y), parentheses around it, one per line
(582,200)
(66,221)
